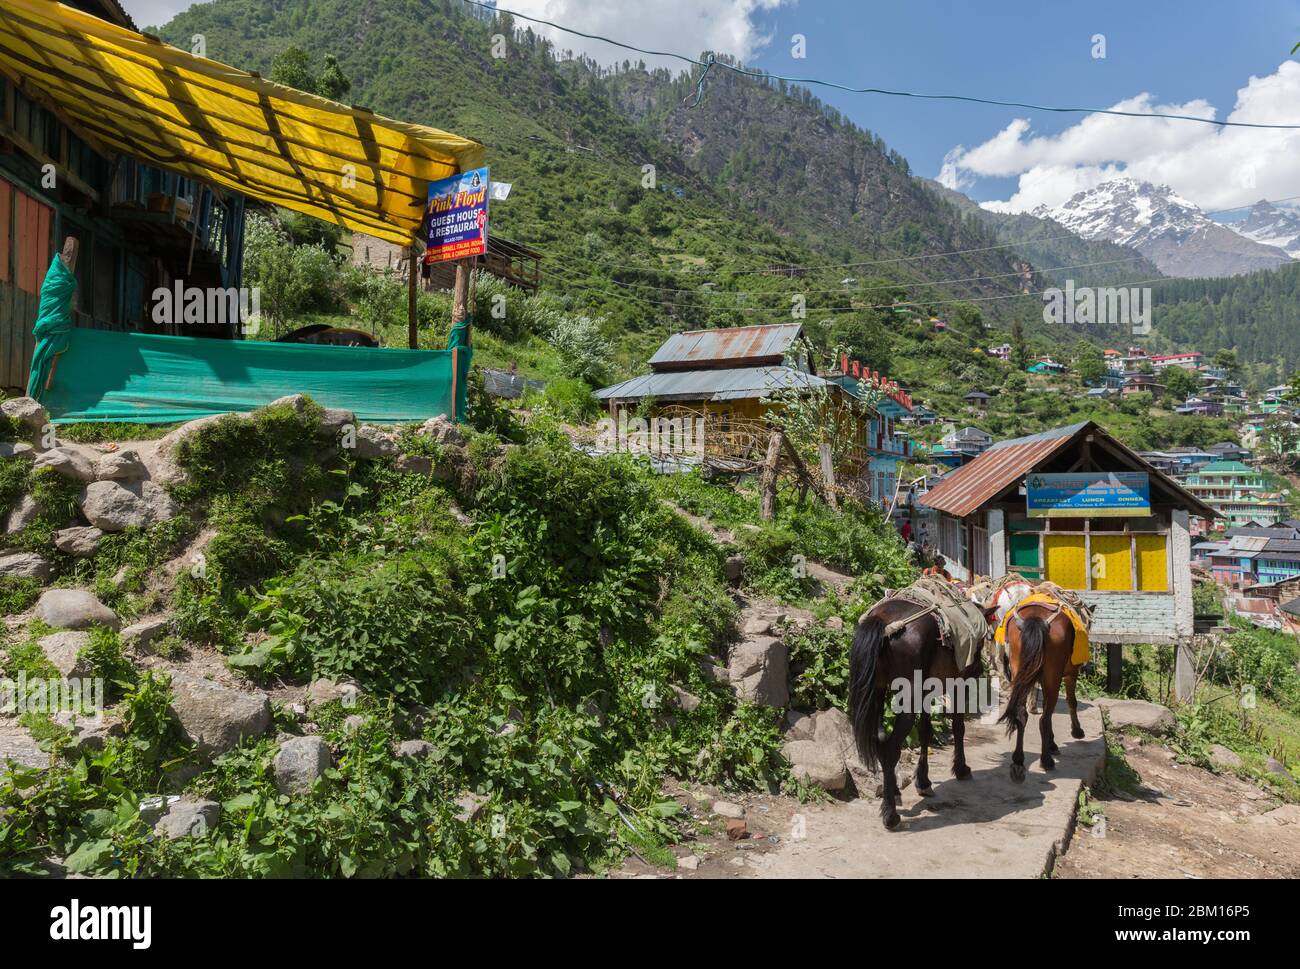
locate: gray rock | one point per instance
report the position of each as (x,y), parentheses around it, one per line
(414,464)
(27,411)
(734,569)
(21,515)
(471,806)
(1151,717)
(63,650)
(18,745)
(1221,756)
(758,671)
(16,449)
(115,507)
(334,419)
(757,626)
(89,732)
(414,749)
(215,717)
(834,622)
(1277,769)
(688,862)
(74,609)
(146,631)
(120,466)
(24,565)
(354,722)
(298,402)
(834,731)
(188,817)
(298,764)
(683,700)
(71,462)
(799,726)
(374,442)
(79,541)
(443,430)
(324,691)
(728,809)
(812,763)
(166,467)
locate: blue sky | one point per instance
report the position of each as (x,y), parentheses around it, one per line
(1187,55)
(1027,51)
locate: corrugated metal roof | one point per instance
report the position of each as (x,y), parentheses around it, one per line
(738,383)
(767,343)
(964,490)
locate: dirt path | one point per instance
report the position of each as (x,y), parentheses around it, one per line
(1186,822)
(987,826)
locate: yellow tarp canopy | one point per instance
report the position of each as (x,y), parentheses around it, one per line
(130,93)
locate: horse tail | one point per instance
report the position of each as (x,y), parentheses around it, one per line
(1033,643)
(865,701)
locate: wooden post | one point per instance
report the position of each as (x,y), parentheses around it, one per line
(68,256)
(460,294)
(1114,667)
(828,475)
(412,333)
(767,511)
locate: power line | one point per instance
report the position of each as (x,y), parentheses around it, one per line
(712,62)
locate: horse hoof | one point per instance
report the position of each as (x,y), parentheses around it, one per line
(962,773)
(1047,763)
(1076,733)
(1018,773)
(892,822)
(926,791)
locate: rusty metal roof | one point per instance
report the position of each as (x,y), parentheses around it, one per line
(712,385)
(965,490)
(732,346)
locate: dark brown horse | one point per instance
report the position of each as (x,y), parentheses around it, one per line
(887,648)
(1040,641)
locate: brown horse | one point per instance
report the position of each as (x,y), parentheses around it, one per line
(890,645)
(1040,641)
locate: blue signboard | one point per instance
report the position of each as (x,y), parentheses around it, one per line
(1092,494)
(457,225)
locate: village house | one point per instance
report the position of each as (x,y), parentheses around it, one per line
(1238,494)
(138,228)
(1187,361)
(1075,506)
(727,377)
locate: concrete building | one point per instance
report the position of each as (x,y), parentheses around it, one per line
(1239,494)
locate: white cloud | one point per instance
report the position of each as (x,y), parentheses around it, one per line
(681,26)
(1214,167)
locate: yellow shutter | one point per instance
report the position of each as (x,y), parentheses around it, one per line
(1067,564)
(1153,568)
(1112,563)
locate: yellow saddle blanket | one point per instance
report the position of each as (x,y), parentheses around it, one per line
(1081,652)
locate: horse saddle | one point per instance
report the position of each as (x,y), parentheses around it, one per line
(962,625)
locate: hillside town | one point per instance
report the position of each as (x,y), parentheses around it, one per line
(431,449)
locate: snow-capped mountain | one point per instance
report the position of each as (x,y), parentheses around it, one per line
(1169,230)
(1271,225)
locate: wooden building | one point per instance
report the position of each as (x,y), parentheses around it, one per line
(1077,507)
(138,227)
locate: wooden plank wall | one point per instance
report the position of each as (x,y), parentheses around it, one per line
(17,317)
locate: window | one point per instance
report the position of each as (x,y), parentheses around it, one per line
(1106,561)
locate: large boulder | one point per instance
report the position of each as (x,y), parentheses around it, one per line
(299,762)
(815,765)
(1151,717)
(79,541)
(89,732)
(216,717)
(63,650)
(443,430)
(144,632)
(24,565)
(758,671)
(74,609)
(115,507)
(72,462)
(374,443)
(188,817)
(16,449)
(333,420)
(166,467)
(27,411)
(21,515)
(120,466)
